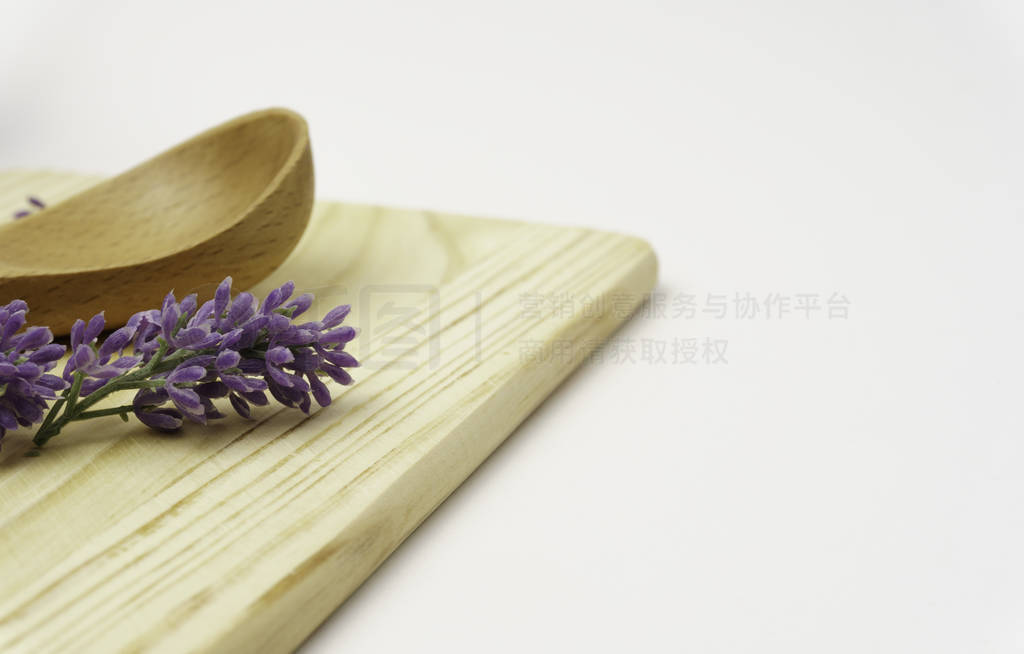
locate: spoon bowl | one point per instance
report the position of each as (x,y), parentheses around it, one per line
(233,200)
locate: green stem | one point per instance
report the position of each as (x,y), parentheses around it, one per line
(123,385)
(99,413)
(76,388)
(54,410)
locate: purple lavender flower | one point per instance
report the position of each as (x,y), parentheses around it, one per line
(240,349)
(25,358)
(186,355)
(161,419)
(95,362)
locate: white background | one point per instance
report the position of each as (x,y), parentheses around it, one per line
(839,485)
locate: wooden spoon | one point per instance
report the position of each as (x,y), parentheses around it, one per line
(234,200)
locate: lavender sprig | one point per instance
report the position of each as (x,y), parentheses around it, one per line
(185,355)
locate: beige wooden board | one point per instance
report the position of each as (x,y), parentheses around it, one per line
(243,536)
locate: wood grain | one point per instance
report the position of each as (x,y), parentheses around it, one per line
(233,200)
(244,536)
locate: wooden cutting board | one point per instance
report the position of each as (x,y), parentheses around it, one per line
(244,536)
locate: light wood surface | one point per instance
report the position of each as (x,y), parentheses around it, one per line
(233,200)
(244,536)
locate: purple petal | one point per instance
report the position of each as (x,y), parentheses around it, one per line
(320,392)
(186,372)
(188,305)
(94,328)
(185,399)
(34,337)
(240,406)
(339,375)
(83,356)
(251,332)
(47,354)
(204,313)
(299,384)
(228,359)
(209,342)
(235,382)
(243,384)
(258,398)
(160,419)
(281,377)
(336,315)
(52,382)
(124,363)
(116,342)
(7,419)
(277,296)
(280,356)
(241,309)
(295,336)
(195,416)
(341,358)
(252,366)
(306,360)
(25,408)
(104,372)
(169,301)
(230,340)
(92,385)
(210,412)
(283,395)
(13,324)
(212,389)
(221,298)
(169,320)
(256,384)
(137,318)
(43,393)
(338,336)
(29,371)
(195,338)
(77,330)
(202,360)
(149,396)
(300,304)
(277,323)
